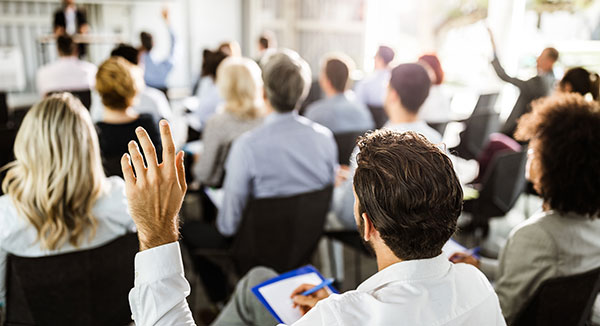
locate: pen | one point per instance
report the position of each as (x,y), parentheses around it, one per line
(474,252)
(326,282)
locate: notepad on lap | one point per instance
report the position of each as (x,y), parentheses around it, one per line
(451,247)
(275,293)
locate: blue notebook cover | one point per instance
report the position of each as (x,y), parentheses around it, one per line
(302,270)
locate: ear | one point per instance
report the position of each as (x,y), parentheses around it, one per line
(368,225)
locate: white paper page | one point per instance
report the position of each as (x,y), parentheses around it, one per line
(278,295)
(451,247)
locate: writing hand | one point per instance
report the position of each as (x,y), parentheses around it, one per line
(305,303)
(154,193)
(461,257)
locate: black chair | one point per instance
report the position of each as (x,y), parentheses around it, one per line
(7,142)
(379,115)
(473,139)
(566,300)
(85,96)
(314,94)
(501,186)
(438,126)
(485,104)
(350,238)
(346,142)
(281,233)
(88,287)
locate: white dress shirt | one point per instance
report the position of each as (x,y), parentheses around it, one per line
(66,74)
(19,237)
(436,108)
(154,102)
(417,292)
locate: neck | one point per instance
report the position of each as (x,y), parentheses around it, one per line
(385,257)
(119,116)
(331,92)
(399,114)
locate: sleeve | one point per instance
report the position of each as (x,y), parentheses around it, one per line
(504,76)
(211,142)
(160,288)
(528,259)
(321,314)
(81,17)
(236,186)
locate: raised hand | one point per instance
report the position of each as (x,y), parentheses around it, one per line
(154,193)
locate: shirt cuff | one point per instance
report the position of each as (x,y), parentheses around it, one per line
(158,263)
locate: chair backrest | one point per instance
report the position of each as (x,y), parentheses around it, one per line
(218,168)
(566,300)
(502,184)
(346,142)
(281,233)
(478,128)
(7,142)
(3,109)
(379,115)
(88,287)
(85,96)
(485,104)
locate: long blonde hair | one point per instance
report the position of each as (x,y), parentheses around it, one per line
(57,174)
(240,84)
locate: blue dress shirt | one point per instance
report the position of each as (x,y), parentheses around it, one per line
(372,90)
(340,114)
(156,72)
(285,156)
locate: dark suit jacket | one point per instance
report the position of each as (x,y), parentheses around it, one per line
(60,20)
(530,90)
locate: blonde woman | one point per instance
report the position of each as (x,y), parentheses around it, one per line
(239,83)
(57,196)
(118,82)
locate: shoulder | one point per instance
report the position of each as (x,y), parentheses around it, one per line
(533,231)
(112,197)
(8,216)
(315,127)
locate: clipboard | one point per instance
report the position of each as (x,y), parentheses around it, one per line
(270,292)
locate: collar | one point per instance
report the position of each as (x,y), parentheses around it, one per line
(410,270)
(275,116)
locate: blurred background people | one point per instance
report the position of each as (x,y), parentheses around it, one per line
(157,70)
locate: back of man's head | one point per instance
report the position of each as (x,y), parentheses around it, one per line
(267,40)
(287,79)
(409,191)
(126,51)
(337,71)
(65,45)
(147,41)
(411,82)
(386,54)
(552,53)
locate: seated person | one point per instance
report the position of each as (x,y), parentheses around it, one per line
(372,89)
(241,87)
(338,112)
(118,83)
(436,108)
(578,80)
(67,73)
(561,239)
(58,199)
(286,155)
(151,100)
(408,88)
(208,94)
(157,71)
(405,211)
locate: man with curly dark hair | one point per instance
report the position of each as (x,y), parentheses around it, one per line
(564,167)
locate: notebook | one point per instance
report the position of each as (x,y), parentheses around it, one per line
(451,247)
(275,293)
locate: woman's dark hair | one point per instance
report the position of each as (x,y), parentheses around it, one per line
(565,134)
(147,41)
(210,62)
(582,82)
(409,190)
(434,63)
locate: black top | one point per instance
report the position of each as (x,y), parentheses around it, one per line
(115,137)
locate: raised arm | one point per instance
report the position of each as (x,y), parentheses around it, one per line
(155,194)
(500,70)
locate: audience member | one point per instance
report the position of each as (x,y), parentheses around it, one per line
(230,48)
(286,155)
(529,90)
(118,82)
(266,41)
(371,90)
(436,108)
(241,87)
(151,100)
(338,112)
(562,238)
(579,80)
(408,88)
(58,199)
(408,199)
(157,71)
(67,73)
(207,93)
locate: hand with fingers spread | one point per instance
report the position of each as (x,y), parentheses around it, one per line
(154,193)
(305,303)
